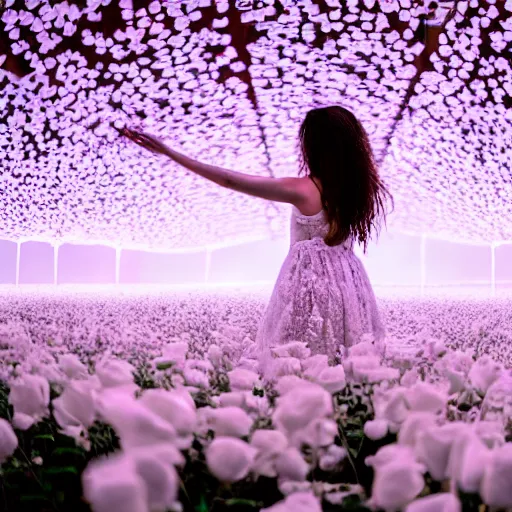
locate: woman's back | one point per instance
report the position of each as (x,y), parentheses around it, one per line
(307,227)
(323,295)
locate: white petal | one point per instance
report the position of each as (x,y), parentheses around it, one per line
(290,465)
(8,440)
(229,459)
(113,484)
(443,502)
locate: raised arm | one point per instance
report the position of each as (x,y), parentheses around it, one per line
(283,190)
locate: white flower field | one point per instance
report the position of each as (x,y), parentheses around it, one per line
(184,421)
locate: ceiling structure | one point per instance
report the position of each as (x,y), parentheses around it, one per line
(229,83)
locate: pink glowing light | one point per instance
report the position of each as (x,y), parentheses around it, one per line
(440,122)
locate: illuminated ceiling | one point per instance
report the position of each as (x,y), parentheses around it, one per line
(229,83)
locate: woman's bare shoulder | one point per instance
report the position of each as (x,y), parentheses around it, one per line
(311,202)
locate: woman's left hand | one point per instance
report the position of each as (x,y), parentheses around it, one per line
(145,140)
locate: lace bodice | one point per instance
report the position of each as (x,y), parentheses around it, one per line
(309,227)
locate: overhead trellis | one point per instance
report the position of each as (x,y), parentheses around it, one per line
(229,82)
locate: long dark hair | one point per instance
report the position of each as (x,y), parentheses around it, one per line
(336,151)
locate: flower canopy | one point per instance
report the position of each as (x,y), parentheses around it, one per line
(228,83)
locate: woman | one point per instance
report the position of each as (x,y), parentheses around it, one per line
(322,295)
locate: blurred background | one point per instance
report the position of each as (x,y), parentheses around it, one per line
(397,259)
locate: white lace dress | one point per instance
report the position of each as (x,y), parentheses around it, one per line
(322,296)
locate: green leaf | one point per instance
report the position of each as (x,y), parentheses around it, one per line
(354,434)
(33,497)
(203,506)
(242,501)
(353,503)
(164,366)
(68,450)
(12,471)
(352,423)
(56,470)
(48,437)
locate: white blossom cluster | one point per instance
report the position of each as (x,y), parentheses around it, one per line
(464,446)
(179,69)
(134,327)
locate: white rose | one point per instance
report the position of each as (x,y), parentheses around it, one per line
(30,397)
(491,433)
(269,441)
(300,406)
(231,399)
(368,369)
(243,380)
(295,349)
(433,447)
(215,355)
(288,487)
(146,475)
(332,379)
(115,372)
(296,502)
(374,375)
(8,440)
(173,353)
(284,366)
(426,397)
(414,425)
(73,367)
(388,454)
(247,363)
(392,405)
(313,365)
(199,364)
(77,404)
(458,361)
(436,349)
(319,432)
(269,444)
(396,484)
(467,460)
(112,483)
(409,378)
(229,459)
(443,502)
(290,465)
(290,382)
(365,348)
(356,365)
(158,474)
(258,405)
(196,378)
(230,421)
(496,485)
(456,379)
(484,372)
(332,457)
(376,429)
(51,372)
(173,407)
(498,399)
(134,423)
